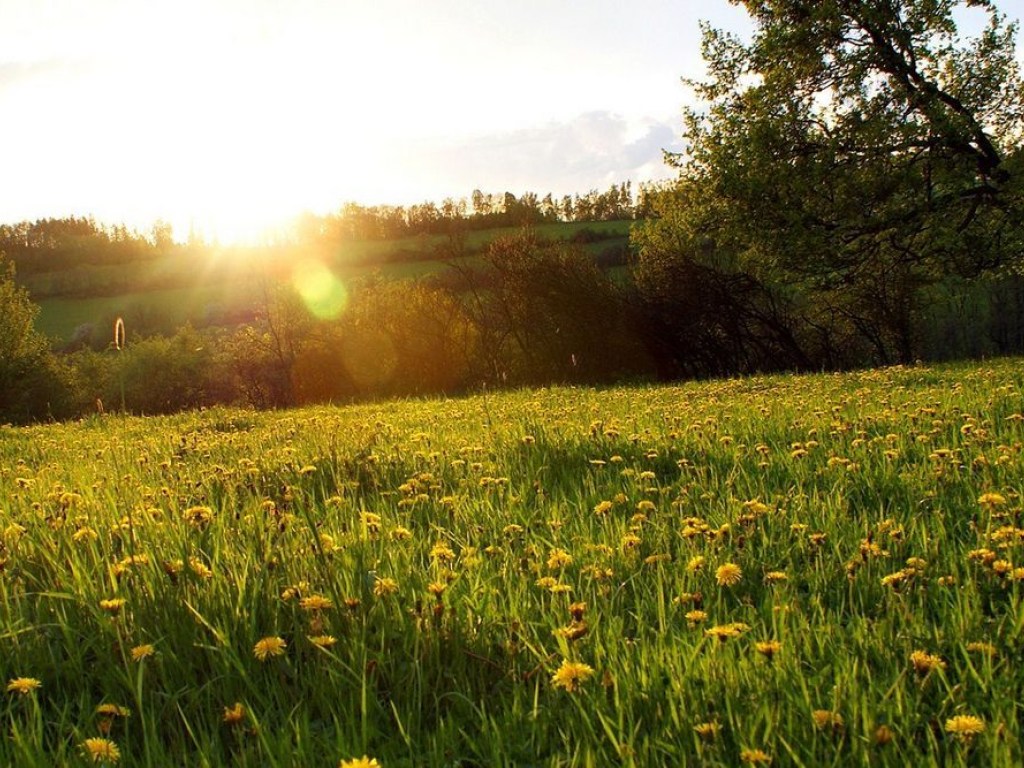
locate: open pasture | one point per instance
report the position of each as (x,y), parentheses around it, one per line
(814,570)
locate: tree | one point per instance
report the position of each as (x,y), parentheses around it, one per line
(857,150)
(31,384)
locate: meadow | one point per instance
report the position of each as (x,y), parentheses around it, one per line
(787,570)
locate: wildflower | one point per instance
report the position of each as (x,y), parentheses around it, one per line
(696,563)
(198,517)
(925,663)
(571,674)
(991,500)
(825,719)
(883,735)
(315,603)
(442,553)
(558,558)
(84,534)
(724,632)
(144,651)
(199,568)
(323,641)
(707,731)
(986,649)
(964,728)
(630,542)
(576,610)
(23,685)
(233,715)
(728,575)
(269,646)
(359,762)
(100,750)
(437,588)
(574,631)
(1001,567)
(384,587)
(755,756)
(695,617)
(112,606)
(768,648)
(401,533)
(113,710)
(775,577)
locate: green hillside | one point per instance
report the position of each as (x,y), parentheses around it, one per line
(216,283)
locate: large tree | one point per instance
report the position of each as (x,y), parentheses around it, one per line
(847,156)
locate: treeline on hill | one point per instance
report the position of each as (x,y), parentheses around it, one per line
(852,194)
(64,244)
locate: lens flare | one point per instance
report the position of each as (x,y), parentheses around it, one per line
(321,291)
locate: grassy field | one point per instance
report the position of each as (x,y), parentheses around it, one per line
(819,570)
(175,289)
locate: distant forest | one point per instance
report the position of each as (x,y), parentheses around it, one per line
(56,244)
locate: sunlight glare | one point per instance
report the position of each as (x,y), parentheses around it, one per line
(321,291)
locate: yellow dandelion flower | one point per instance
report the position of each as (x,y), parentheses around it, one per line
(198,517)
(883,735)
(924,662)
(696,563)
(233,715)
(573,631)
(724,632)
(696,617)
(315,603)
(144,651)
(768,648)
(437,588)
(359,762)
(384,587)
(323,641)
(571,674)
(825,719)
(113,606)
(728,575)
(113,710)
(964,728)
(992,500)
(775,577)
(23,685)
(100,750)
(199,568)
(442,553)
(707,731)
(985,649)
(755,756)
(558,558)
(1001,567)
(268,647)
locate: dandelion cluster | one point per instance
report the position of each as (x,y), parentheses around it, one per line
(841,557)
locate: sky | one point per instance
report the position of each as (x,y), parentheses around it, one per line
(234,115)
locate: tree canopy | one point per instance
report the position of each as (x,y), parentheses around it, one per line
(858,150)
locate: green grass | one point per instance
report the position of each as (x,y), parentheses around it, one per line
(836,481)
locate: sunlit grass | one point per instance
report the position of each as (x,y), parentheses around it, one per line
(817,570)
